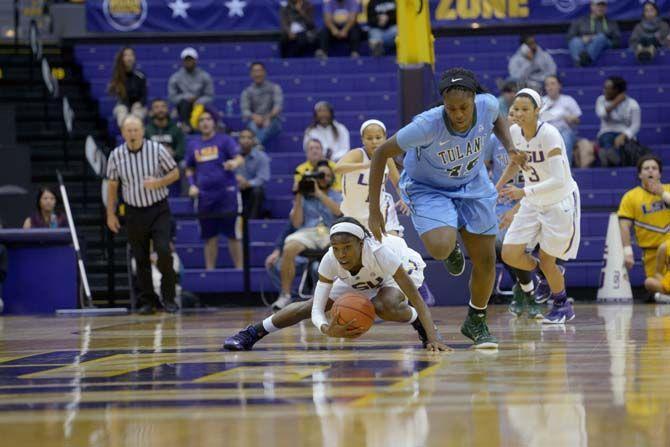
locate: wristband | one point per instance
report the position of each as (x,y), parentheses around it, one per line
(628,250)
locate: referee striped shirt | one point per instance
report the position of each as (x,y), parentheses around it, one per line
(131,168)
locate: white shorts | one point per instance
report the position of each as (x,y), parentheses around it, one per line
(414,268)
(555,227)
(315,238)
(391,215)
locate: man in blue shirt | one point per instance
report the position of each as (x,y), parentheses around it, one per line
(314,211)
(252,175)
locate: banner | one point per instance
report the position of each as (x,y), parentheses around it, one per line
(263,15)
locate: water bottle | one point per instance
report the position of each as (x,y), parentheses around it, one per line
(229,107)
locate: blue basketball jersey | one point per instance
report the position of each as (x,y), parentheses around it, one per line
(437,156)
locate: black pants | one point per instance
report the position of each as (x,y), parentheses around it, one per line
(252,202)
(152,223)
(353,38)
(303,45)
(184,109)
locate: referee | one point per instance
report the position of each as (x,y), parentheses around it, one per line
(145,169)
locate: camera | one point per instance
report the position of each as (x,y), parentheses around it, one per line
(308,182)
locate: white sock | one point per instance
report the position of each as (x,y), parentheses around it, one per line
(475,307)
(527,287)
(414,316)
(268,326)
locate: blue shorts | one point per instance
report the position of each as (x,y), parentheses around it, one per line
(434,208)
(211,224)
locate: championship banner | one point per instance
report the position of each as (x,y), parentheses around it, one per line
(263,15)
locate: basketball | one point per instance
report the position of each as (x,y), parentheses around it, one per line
(354,306)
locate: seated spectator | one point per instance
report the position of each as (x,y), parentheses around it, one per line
(129,86)
(530,65)
(650,34)
(339,20)
(274,260)
(252,175)
(647,209)
(315,208)
(383,28)
(46,215)
(506,98)
(298,31)
(211,161)
(163,130)
(562,111)
(314,154)
(332,134)
(261,104)
(589,36)
(189,86)
(619,120)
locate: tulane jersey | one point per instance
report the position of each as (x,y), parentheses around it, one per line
(437,156)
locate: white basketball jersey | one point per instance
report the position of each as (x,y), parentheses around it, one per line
(356,192)
(545,140)
(380,262)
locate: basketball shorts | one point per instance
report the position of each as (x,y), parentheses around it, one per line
(555,227)
(666,283)
(649,261)
(414,266)
(391,215)
(433,208)
(217,215)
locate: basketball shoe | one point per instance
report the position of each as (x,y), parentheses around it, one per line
(243,340)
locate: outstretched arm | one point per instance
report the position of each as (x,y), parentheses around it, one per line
(388,149)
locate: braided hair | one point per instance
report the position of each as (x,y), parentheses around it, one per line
(467,81)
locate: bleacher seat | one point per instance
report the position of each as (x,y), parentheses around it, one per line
(366,88)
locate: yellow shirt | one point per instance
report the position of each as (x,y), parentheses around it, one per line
(649,214)
(308,166)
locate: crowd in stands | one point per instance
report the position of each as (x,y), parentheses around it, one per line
(218,167)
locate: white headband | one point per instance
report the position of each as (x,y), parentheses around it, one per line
(533,94)
(370,122)
(348,227)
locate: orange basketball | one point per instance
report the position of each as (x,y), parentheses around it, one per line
(354,306)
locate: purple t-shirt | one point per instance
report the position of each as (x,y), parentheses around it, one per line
(207,158)
(340,10)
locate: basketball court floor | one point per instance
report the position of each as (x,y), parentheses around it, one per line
(164,381)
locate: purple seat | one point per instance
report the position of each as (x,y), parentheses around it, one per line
(192,255)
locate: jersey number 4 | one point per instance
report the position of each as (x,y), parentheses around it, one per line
(456,170)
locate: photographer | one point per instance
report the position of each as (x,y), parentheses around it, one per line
(315,208)
(314,153)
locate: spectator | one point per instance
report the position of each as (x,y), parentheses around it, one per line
(530,65)
(298,31)
(314,154)
(189,86)
(647,208)
(211,161)
(333,135)
(252,175)
(562,111)
(261,104)
(129,86)
(383,28)
(315,208)
(339,20)
(136,165)
(619,120)
(46,215)
(163,130)
(274,260)
(589,36)
(659,284)
(506,98)
(651,33)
